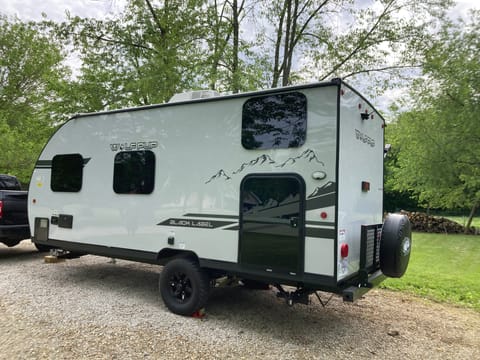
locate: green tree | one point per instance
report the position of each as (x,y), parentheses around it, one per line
(343,38)
(157,48)
(232,63)
(439,140)
(143,57)
(31,82)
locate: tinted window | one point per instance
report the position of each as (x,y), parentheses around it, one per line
(67,173)
(134,172)
(9,183)
(274,121)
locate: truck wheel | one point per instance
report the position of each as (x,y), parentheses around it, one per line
(184,286)
(395,245)
(10,242)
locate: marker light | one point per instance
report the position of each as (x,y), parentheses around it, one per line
(365,186)
(323,215)
(344,250)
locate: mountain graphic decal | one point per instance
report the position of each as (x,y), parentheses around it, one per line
(262,159)
(308,155)
(220,174)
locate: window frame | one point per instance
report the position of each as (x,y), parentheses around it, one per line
(65,188)
(267,120)
(147,175)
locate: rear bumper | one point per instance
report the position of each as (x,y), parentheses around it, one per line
(19,232)
(352,293)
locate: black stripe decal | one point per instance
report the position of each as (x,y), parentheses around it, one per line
(320,202)
(319,223)
(43,164)
(213,216)
(195,223)
(320,233)
(47,164)
(235,227)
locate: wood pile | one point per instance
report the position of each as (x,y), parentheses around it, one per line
(434,224)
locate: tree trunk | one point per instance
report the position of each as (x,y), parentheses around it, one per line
(278,43)
(286,46)
(221,39)
(236,40)
(471,216)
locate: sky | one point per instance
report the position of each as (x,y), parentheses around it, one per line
(55,9)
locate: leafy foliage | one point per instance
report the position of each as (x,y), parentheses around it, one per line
(31,81)
(349,39)
(157,48)
(439,156)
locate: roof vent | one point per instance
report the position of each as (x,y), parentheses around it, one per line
(193,95)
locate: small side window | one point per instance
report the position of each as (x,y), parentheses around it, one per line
(274,121)
(134,172)
(67,173)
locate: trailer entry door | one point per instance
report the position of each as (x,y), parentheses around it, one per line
(272,223)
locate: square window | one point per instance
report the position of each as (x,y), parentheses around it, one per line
(134,172)
(274,121)
(67,173)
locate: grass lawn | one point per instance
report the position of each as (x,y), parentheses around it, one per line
(443,268)
(462,220)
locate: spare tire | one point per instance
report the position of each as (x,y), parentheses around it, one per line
(395,245)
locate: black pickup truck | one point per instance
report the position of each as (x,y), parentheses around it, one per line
(13,211)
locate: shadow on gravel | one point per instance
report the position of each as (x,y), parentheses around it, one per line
(243,306)
(262,312)
(24,250)
(236,309)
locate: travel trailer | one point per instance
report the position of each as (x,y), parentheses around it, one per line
(279,187)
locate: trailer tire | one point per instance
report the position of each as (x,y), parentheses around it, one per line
(395,245)
(184,286)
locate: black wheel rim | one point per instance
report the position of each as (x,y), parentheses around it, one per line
(180,287)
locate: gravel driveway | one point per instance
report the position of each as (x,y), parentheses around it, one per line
(90,308)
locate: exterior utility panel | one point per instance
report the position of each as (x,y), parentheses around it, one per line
(283,186)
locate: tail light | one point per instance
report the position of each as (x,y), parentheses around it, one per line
(344,250)
(1,209)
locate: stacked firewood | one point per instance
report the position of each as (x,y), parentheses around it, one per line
(434,224)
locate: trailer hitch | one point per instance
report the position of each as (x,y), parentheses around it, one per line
(65,254)
(299,296)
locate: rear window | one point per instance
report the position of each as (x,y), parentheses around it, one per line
(274,121)
(67,173)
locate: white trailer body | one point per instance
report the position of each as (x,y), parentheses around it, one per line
(283,186)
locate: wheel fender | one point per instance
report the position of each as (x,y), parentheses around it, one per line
(395,245)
